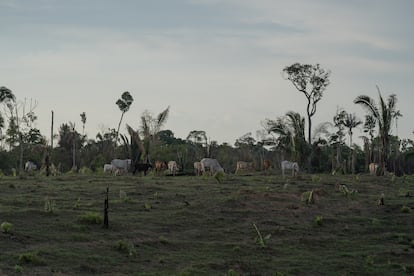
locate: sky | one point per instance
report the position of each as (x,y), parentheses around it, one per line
(217,63)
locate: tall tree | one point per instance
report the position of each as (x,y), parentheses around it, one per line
(384,113)
(351,122)
(83,120)
(123,103)
(311,80)
(6,95)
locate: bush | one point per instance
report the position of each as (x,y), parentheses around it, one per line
(6,227)
(30,258)
(318,220)
(90,218)
(405,209)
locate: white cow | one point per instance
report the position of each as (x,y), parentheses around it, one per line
(212,164)
(108,168)
(30,166)
(373,167)
(120,165)
(287,165)
(172,167)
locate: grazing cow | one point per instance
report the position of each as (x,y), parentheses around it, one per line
(172,167)
(373,167)
(266,165)
(243,166)
(142,167)
(121,165)
(212,164)
(30,166)
(107,168)
(287,165)
(197,168)
(160,166)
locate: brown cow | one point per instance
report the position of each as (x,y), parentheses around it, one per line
(160,166)
(266,165)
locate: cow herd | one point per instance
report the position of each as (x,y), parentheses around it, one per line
(205,165)
(209,166)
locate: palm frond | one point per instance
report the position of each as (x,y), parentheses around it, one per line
(162,117)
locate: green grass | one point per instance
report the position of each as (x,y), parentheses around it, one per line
(200,226)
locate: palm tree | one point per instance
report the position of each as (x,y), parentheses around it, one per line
(383,113)
(351,121)
(150,127)
(123,103)
(291,131)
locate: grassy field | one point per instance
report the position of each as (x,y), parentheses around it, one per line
(185,225)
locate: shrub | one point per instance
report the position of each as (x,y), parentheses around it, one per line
(90,218)
(30,258)
(126,247)
(6,227)
(260,240)
(50,206)
(123,196)
(405,209)
(318,220)
(18,269)
(308,197)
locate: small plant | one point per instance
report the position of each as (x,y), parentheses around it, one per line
(77,204)
(260,240)
(18,269)
(308,197)
(123,196)
(405,209)
(218,176)
(231,272)
(127,247)
(90,218)
(147,206)
(370,260)
(50,206)
(30,258)
(346,191)
(316,179)
(6,227)
(163,239)
(318,220)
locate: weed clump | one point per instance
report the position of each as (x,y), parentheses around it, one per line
(126,247)
(318,220)
(30,258)
(90,218)
(6,227)
(50,206)
(308,197)
(405,209)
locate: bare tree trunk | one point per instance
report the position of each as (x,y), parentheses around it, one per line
(51,132)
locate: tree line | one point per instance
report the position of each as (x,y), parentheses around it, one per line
(328,147)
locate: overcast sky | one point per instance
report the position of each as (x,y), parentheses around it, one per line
(216,63)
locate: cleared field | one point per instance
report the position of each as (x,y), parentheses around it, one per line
(252,224)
